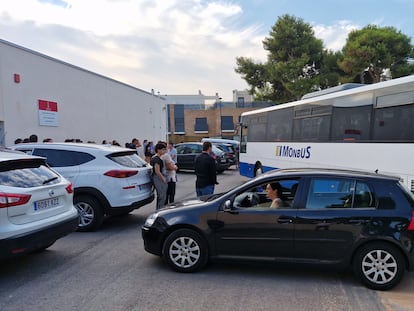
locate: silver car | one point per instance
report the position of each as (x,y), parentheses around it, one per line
(36,205)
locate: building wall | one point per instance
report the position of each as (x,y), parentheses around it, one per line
(213,120)
(91,107)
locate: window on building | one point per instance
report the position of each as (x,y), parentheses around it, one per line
(201,125)
(179,119)
(227,124)
(168,119)
(240,102)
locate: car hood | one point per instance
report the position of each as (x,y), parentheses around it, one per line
(184,203)
(195,201)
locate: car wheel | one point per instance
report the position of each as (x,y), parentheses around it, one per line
(90,212)
(258,170)
(185,251)
(379,266)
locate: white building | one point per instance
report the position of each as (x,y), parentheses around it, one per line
(242,97)
(53,99)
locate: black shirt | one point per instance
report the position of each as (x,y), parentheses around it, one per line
(205,170)
(156,160)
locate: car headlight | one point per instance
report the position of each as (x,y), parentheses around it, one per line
(150,220)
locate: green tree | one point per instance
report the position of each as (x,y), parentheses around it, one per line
(372,49)
(330,73)
(292,47)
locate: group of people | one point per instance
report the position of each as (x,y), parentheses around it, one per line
(163,159)
(164,176)
(164,164)
(146,150)
(31,139)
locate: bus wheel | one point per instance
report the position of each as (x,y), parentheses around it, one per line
(258,170)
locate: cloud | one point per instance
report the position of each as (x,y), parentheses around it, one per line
(334,36)
(173,46)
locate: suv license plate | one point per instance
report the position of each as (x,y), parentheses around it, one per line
(144,187)
(46,204)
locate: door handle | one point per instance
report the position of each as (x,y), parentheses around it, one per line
(285,220)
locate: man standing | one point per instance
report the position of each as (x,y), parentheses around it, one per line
(205,170)
(172,152)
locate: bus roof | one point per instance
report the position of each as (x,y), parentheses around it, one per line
(329,95)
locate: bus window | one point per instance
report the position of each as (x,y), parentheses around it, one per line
(279,125)
(312,129)
(394,124)
(351,123)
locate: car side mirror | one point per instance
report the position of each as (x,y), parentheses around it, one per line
(227,206)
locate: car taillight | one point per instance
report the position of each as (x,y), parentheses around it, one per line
(411,225)
(69,188)
(13,199)
(120,173)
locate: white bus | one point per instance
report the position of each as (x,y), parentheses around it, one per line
(369,127)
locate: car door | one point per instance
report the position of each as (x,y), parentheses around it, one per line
(65,162)
(252,229)
(331,217)
(186,154)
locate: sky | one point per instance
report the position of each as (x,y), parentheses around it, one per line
(181,47)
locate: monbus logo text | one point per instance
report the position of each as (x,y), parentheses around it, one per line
(290,152)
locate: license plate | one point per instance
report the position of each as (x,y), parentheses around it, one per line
(46,204)
(144,187)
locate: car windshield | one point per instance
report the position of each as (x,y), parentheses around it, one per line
(26,174)
(217,150)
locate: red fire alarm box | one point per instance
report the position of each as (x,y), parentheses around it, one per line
(16,78)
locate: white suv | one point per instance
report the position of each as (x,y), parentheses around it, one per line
(107,179)
(36,205)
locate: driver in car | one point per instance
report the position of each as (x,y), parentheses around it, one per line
(274,192)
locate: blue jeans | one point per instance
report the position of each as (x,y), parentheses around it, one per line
(204,191)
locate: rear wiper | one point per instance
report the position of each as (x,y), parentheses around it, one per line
(49,180)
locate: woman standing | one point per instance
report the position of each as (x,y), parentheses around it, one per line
(148,152)
(160,182)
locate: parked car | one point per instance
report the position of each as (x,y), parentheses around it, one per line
(107,180)
(342,218)
(234,143)
(36,205)
(229,152)
(187,152)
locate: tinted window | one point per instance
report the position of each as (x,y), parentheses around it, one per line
(256,130)
(312,129)
(279,126)
(227,123)
(179,118)
(60,158)
(26,174)
(201,125)
(394,123)
(312,123)
(351,123)
(339,193)
(189,149)
(128,159)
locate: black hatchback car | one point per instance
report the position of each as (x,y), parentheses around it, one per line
(350,219)
(187,153)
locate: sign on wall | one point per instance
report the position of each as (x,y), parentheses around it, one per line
(48,113)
